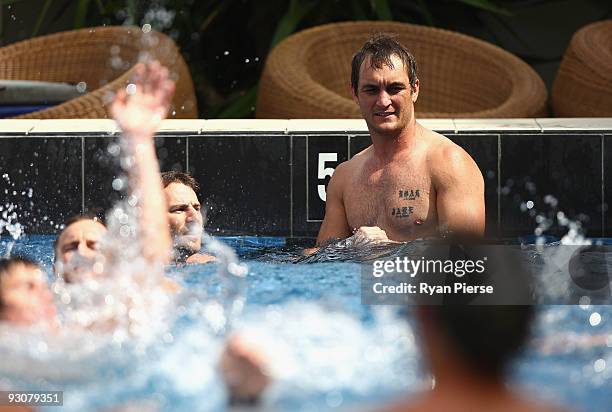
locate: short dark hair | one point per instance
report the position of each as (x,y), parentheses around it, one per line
(486,337)
(8,264)
(74,219)
(185,178)
(381,47)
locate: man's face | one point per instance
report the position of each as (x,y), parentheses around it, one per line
(77,248)
(26,298)
(384,96)
(184,216)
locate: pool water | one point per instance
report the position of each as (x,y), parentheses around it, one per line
(327,351)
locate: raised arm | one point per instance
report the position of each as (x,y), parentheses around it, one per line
(460,191)
(139,111)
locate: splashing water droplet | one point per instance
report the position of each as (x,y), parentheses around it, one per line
(595,319)
(130,89)
(599,365)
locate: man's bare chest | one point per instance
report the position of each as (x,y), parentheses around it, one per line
(401,201)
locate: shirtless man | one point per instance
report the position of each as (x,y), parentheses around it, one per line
(139,115)
(185,217)
(411,182)
(82,233)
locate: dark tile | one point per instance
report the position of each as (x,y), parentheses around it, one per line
(567,167)
(312,155)
(101,167)
(483,148)
(359,143)
(607,204)
(51,168)
(245,182)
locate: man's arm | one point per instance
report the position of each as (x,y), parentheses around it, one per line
(460,192)
(139,114)
(334,224)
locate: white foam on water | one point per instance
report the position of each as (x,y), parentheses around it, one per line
(313,350)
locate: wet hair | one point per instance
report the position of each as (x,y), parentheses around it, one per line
(381,47)
(96,217)
(7,265)
(174,176)
(486,337)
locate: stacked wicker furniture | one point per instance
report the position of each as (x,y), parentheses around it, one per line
(308,74)
(583,86)
(103,58)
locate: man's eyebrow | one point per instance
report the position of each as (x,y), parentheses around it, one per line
(363,86)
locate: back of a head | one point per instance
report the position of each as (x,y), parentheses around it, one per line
(486,337)
(485,331)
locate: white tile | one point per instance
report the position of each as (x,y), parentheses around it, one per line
(75,126)
(245,125)
(438,124)
(582,123)
(498,125)
(327,125)
(12,126)
(182,125)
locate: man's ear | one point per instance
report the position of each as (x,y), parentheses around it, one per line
(415,91)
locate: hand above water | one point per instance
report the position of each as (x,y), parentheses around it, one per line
(370,234)
(144,103)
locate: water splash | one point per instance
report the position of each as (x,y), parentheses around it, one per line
(9,216)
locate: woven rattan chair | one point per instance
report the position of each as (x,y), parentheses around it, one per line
(308,74)
(103,58)
(583,86)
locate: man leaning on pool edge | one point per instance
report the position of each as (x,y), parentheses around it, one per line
(411,182)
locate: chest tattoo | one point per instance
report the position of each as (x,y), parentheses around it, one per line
(401,212)
(409,194)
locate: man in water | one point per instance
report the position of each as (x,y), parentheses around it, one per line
(139,116)
(411,182)
(185,217)
(79,242)
(25,298)
(470,362)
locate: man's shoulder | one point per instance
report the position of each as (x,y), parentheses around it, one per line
(447,159)
(353,163)
(444,153)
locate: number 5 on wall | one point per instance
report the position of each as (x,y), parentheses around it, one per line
(323,172)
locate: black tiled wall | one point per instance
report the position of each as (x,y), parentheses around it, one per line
(102,166)
(257,183)
(245,182)
(50,169)
(607,203)
(567,167)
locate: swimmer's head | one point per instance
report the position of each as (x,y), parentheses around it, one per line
(25,298)
(77,247)
(184,211)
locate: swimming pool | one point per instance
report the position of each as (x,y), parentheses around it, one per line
(327,350)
